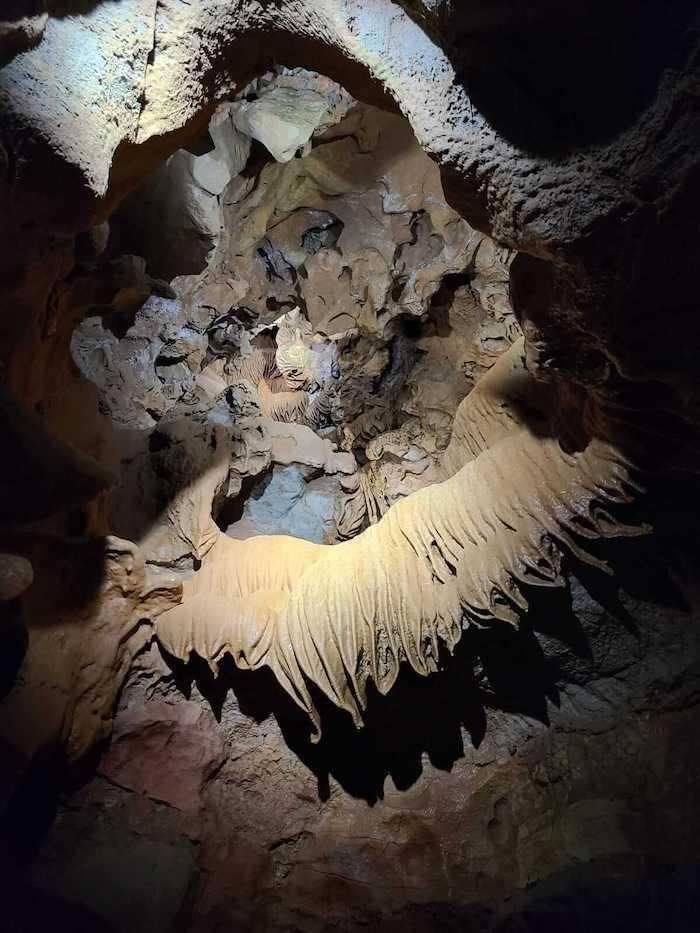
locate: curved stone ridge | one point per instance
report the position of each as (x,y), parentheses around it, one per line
(149,75)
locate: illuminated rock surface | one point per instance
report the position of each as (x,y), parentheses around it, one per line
(283,392)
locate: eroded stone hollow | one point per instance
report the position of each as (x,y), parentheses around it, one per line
(347,573)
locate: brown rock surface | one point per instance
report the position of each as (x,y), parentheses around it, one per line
(546,780)
(470,801)
(167,752)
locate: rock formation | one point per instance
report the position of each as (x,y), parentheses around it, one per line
(341,342)
(457,552)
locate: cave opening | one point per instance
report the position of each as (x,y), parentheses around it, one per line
(314,310)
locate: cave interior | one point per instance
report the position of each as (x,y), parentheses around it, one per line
(348,562)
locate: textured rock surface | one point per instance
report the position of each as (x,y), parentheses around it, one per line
(198,375)
(567,132)
(283,119)
(140,755)
(516,161)
(286,504)
(531,792)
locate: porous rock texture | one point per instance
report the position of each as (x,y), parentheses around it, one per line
(290,355)
(334,320)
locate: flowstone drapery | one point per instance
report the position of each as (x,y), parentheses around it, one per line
(455,553)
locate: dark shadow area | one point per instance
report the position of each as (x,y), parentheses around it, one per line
(619,896)
(615,896)
(26,909)
(31,809)
(552,78)
(42,475)
(32,805)
(68,575)
(15,643)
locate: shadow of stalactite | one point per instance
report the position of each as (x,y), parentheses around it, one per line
(419,717)
(498,669)
(494,669)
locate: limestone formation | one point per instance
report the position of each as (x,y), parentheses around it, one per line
(341,617)
(343,342)
(283,119)
(189,372)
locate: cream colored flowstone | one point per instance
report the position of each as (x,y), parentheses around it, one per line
(454,553)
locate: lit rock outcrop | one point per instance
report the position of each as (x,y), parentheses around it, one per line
(499,146)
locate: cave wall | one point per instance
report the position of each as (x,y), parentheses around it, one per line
(516,181)
(575,786)
(538,784)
